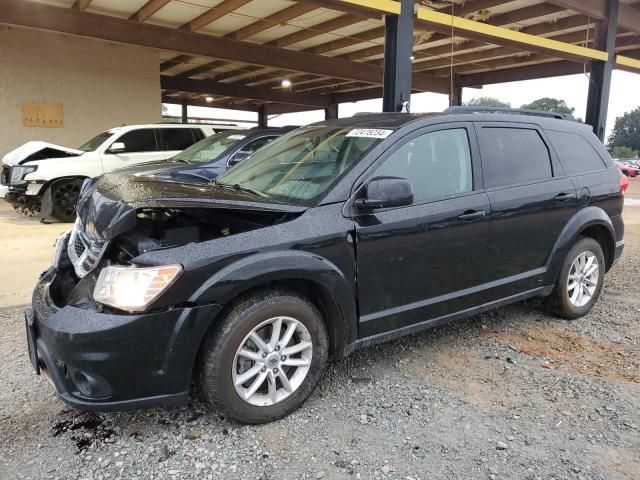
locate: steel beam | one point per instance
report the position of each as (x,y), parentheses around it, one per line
(331,112)
(263,117)
(185,113)
(600,78)
(398,48)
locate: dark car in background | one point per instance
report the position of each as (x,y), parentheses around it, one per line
(205,160)
(339,235)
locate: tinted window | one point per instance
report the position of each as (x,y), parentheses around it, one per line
(513,155)
(197,134)
(256,144)
(177,138)
(437,164)
(139,141)
(576,152)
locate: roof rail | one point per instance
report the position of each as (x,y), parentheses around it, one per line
(506,110)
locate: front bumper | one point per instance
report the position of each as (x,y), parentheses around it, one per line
(111,362)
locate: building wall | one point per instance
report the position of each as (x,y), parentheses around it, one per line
(99,84)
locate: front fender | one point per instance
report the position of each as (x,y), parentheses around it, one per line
(266,268)
(583,219)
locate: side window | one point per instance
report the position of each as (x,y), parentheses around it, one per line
(177,138)
(577,154)
(437,164)
(256,144)
(143,140)
(197,134)
(513,155)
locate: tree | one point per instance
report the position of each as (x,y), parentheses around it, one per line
(486,102)
(626,131)
(623,152)
(548,104)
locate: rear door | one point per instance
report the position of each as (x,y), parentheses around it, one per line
(426,260)
(531,198)
(141,145)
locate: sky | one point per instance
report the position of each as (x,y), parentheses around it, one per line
(625,96)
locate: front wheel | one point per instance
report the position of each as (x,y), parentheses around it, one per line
(64,196)
(580,281)
(265,358)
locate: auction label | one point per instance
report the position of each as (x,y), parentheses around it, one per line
(370,133)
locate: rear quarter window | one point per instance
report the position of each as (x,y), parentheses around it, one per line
(575,152)
(513,155)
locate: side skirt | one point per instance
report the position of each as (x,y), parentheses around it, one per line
(434,322)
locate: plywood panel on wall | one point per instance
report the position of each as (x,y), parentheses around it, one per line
(42,114)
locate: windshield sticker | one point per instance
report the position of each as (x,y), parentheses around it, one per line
(236,137)
(369,133)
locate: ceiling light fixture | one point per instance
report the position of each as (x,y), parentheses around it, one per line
(209,99)
(286,83)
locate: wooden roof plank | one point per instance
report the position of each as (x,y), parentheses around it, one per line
(148,9)
(213,14)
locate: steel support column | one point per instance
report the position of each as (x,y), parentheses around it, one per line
(331,113)
(185,115)
(600,77)
(263,117)
(398,48)
(455,97)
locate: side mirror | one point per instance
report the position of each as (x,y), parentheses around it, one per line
(117,147)
(385,192)
(238,157)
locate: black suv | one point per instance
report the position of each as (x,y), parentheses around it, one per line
(336,236)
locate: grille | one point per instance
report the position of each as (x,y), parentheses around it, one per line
(5,175)
(83,252)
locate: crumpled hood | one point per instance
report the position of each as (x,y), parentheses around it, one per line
(37,150)
(108,204)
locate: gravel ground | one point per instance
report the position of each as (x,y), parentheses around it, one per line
(512,394)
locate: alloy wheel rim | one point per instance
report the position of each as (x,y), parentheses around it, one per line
(272,361)
(64,198)
(583,279)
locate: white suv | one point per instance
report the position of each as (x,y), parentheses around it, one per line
(45,178)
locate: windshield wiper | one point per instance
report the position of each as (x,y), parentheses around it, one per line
(240,188)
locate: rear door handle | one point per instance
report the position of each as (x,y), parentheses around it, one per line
(471,215)
(563,197)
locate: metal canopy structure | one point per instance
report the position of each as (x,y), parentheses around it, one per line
(238,52)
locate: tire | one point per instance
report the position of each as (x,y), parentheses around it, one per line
(64,197)
(222,367)
(567,303)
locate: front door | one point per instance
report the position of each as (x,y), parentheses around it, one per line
(427,260)
(139,146)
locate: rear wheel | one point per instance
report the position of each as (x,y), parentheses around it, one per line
(580,281)
(265,358)
(64,195)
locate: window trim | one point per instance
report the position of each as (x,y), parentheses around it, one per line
(557,170)
(477,186)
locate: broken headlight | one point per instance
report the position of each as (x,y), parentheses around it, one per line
(19,172)
(133,289)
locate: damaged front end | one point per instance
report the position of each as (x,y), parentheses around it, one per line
(123,217)
(100,307)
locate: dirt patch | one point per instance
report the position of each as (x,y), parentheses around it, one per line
(620,461)
(579,353)
(86,428)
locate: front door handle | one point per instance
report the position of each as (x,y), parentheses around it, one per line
(563,197)
(471,215)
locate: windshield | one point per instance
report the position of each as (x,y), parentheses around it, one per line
(95,142)
(301,166)
(210,148)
